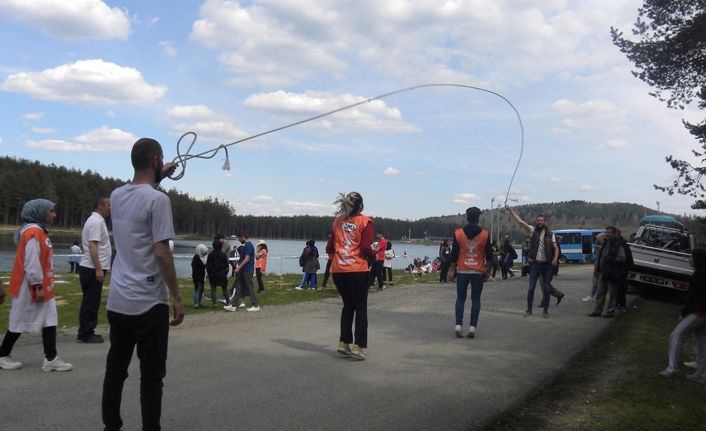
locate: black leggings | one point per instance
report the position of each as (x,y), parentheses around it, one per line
(388,272)
(48,340)
(353,287)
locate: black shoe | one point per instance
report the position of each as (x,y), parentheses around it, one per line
(559,298)
(594,314)
(261,291)
(609,316)
(91,339)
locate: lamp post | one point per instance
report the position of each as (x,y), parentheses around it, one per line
(499,223)
(492,216)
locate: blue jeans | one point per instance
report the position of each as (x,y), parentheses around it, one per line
(545,270)
(310,278)
(462,281)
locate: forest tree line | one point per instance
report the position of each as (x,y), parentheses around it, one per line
(74,192)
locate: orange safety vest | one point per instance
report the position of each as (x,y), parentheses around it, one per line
(261,262)
(347,233)
(45,260)
(471,256)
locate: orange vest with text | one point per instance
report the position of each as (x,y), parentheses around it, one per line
(45,260)
(471,254)
(261,262)
(348,255)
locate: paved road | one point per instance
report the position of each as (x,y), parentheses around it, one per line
(278,370)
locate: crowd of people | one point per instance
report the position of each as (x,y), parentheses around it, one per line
(143,279)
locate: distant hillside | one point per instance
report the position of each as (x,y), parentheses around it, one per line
(560,215)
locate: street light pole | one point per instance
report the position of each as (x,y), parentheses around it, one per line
(492,202)
(498,223)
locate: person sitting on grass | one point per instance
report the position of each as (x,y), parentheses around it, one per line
(692,322)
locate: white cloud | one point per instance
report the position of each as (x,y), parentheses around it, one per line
(0,140)
(601,114)
(191,112)
(374,115)
(168,49)
(417,174)
(103,139)
(70,19)
(465,198)
(210,125)
(92,82)
(390,171)
(111,114)
(268,205)
(269,43)
(328,181)
(587,188)
(33,116)
(43,130)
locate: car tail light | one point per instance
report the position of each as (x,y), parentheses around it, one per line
(631,275)
(680,285)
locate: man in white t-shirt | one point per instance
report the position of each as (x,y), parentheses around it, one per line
(92,268)
(542,257)
(143,270)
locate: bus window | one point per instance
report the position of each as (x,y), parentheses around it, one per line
(586,245)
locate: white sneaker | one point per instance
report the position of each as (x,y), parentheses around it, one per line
(241,305)
(458,331)
(56,365)
(588,298)
(691,364)
(222,300)
(298,288)
(7,363)
(254,308)
(471,332)
(229,308)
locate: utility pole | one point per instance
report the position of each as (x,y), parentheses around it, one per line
(492,216)
(658,207)
(499,223)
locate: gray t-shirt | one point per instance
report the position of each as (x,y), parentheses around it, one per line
(142,217)
(95,229)
(541,255)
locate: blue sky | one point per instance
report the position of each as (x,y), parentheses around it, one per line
(81,80)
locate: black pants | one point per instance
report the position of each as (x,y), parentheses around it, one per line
(353,287)
(376,273)
(622,294)
(91,302)
(260,285)
(327,272)
(388,272)
(444,271)
(215,283)
(48,342)
(150,333)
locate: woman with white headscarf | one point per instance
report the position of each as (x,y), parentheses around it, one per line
(32,287)
(198,273)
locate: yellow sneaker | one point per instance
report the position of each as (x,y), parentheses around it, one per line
(358,352)
(344,348)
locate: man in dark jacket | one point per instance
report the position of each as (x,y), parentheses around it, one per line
(613,270)
(445,258)
(217,270)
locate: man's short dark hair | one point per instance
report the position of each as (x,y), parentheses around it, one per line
(611,228)
(243,234)
(99,201)
(219,236)
(473,214)
(142,151)
(541,215)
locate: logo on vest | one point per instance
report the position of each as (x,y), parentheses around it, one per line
(47,242)
(349,227)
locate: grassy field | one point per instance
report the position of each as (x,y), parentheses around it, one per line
(614,385)
(278,290)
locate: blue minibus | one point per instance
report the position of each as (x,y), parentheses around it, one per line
(577,245)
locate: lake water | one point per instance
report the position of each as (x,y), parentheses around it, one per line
(283,255)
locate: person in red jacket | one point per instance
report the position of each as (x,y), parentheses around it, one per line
(349,244)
